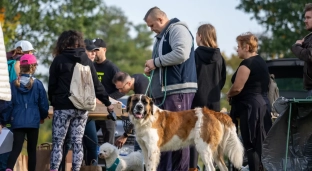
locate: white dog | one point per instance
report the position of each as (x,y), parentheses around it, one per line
(132,162)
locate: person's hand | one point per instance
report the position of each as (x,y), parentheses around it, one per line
(227,96)
(228,99)
(110,108)
(120,141)
(299,41)
(41,121)
(1,128)
(147,71)
(150,64)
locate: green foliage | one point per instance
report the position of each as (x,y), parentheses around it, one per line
(283,21)
(232,63)
(42,21)
(128,53)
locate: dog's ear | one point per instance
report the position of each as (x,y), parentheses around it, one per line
(151,103)
(128,103)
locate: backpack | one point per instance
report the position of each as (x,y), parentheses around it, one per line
(273,92)
(82,93)
(11,69)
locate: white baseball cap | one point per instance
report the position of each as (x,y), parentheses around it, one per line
(25,45)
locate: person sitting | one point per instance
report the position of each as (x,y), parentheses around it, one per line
(138,83)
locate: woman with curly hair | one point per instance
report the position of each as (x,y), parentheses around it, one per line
(69,50)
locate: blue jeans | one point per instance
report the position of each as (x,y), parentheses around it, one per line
(90,141)
(136,146)
(309,93)
(175,160)
(3,160)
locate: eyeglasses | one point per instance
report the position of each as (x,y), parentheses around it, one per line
(123,86)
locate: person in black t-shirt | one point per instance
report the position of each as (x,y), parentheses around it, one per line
(105,71)
(124,83)
(248,98)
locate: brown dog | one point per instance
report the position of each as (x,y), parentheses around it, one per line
(213,133)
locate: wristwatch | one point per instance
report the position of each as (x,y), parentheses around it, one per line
(125,134)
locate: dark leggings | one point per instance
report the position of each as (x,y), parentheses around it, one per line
(193,157)
(19,136)
(193,151)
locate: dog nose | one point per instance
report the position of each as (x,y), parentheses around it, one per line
(139,107)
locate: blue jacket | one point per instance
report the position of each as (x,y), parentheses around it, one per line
(173,55)
(27,107)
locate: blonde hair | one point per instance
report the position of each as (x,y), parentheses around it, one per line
(26,69)
(208,35)
(248,39)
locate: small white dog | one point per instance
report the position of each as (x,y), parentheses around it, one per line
(131,162)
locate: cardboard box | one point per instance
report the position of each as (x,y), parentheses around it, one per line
(100,112)
(101,109)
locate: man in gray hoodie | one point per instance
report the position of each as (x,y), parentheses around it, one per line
(173,75)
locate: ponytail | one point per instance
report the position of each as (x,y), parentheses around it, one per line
(26,69)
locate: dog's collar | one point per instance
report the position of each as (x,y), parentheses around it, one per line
(113,166)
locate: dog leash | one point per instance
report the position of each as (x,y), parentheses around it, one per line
(150,86)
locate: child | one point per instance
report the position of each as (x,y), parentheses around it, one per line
(211,75)
(28,106)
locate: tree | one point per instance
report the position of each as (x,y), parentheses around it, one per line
(283,21)
(42,21)
(127,52)
(232,63)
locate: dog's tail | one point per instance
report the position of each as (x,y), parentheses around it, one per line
(230,145)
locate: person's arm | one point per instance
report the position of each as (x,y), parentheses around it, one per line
(116,95)
(7,111)
(128,127)
(100,92)
(223,74)
(181,42)
(43,102)
(241,78)
(304,54)
(52,85)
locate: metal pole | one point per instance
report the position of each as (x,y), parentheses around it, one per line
(288,130)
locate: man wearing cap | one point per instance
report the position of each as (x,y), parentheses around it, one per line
(106,70)
(91,49)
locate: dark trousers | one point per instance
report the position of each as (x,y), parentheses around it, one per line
(108,130)
(193,152)
(19,136)
(4,160)
(175,160)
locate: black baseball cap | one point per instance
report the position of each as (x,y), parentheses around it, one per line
(90,46)
(99,42)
